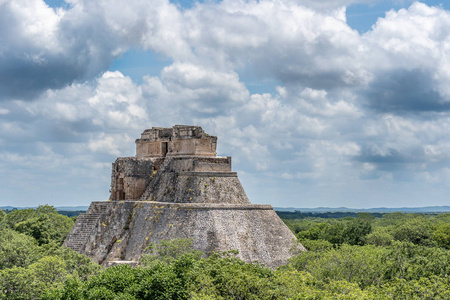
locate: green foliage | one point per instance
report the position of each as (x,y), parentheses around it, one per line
(317,245)
(356,231)
(442,235)
(16,249)
(297,215)
(47,226)
(234,279)
(351,231)
(335,233)
(432,288)
(42,223)
(49,271)
(78,265)
(46,209)
(168,250)
(17,283)
(27,269)
(356,264)
(393,219)
(19,215)
(347,272)
(397,256)
(27,283)
(226,277)
(417,231)
(186,277)
(71,289)
(409,261)
(160,281)
(399,262)
(2,215)
(315,232)
(379,237)
(371,265)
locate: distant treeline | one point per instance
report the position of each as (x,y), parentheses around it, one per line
(69,213)
(290,215)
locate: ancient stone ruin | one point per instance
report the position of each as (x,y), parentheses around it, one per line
(176,187)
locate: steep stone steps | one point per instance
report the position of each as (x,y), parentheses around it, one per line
(149,189)
(85,224)
(146,194)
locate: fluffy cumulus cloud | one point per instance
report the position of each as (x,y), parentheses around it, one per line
(411,47)
(348,119)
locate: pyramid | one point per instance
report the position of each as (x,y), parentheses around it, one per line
(176,187)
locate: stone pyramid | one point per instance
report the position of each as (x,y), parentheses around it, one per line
(176,187)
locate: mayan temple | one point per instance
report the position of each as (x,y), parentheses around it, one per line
(176,187)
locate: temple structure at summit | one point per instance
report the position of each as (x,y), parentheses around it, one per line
(176,187)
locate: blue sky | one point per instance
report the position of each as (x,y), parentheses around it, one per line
(320,103)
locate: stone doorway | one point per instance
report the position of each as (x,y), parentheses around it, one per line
(164,149)
(120,190)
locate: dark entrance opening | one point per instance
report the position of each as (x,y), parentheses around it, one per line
(120,190)
(164,148)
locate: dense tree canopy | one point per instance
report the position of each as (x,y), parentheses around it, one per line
(31,257)
(394,256)
(16,249)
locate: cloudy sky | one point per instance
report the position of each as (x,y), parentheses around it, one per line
(320,103)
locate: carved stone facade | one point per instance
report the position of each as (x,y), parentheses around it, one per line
(131,175)
(176,187)
(176,141)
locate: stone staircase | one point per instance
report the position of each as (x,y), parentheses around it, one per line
(148,190)
(85,224)
(146,194)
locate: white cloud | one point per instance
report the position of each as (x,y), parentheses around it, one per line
(343,106)
(31,24)
(46,48)
(327,5)
(112,144)
(417,38)
(112,101)
(185,91)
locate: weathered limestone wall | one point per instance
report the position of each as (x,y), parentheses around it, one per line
(130,177)
(181,147)
(198,164)
(111,229)
(196,187)
(175,141)
(255,230)
(150,149)
(156,134)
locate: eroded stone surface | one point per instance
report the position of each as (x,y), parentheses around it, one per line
(176,141)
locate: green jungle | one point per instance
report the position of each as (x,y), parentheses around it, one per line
(358,256)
